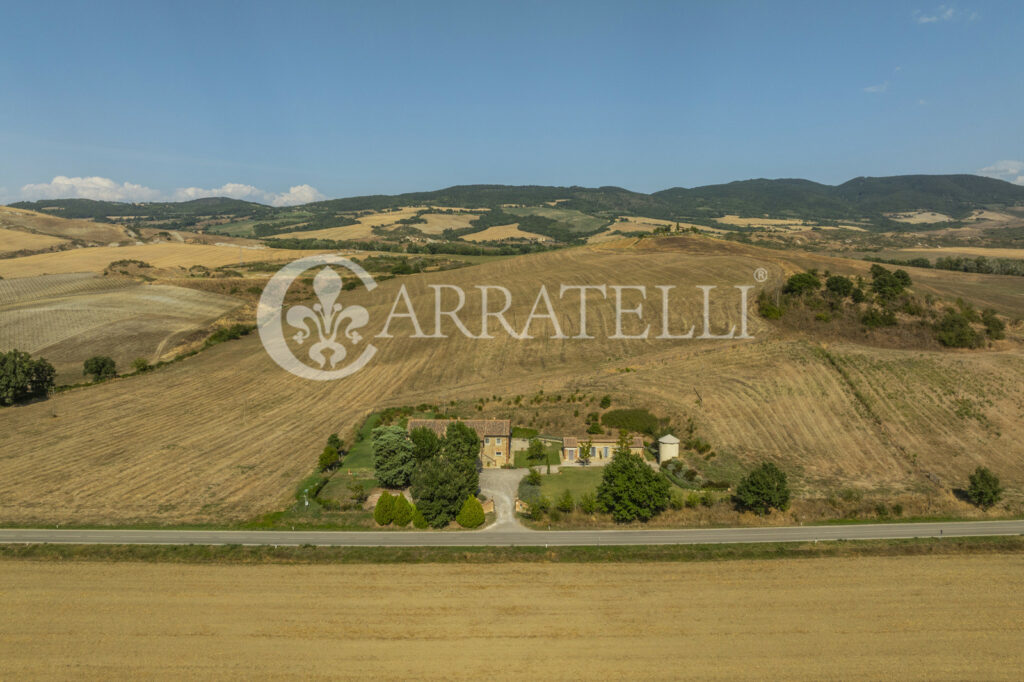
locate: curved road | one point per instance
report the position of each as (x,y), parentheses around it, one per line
(505,536)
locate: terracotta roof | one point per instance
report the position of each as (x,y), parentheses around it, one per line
(574,441)
(483,427)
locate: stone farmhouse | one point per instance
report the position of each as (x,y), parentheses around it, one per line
(495,437)
(601,448)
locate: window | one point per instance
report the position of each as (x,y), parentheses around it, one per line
(497,441)
(593,451)
(605,452)
(487,440)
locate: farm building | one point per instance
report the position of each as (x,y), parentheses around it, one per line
(495,436)
(668,448)
(601,447)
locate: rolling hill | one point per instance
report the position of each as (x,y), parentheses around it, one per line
(868,199)
(227,435)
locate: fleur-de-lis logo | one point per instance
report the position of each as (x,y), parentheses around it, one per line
(328,323)
(326,318)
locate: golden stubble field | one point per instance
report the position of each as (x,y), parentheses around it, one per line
(163,255)
(227,435)
(923,618)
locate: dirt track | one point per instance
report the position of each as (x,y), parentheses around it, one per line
(909,617)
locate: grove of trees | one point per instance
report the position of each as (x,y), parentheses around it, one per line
(22,378)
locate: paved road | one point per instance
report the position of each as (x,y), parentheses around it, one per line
(517,537)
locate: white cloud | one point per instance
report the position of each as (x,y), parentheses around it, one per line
(941,13)
(233,190)
(101,189)
(105,189)
(881,87)
(1011,171)
(299,194)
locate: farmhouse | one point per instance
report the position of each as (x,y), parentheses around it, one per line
(495,437)
(601,447)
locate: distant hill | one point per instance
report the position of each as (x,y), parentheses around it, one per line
(858,199)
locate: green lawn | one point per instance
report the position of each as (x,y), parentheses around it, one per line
(360,455)
(578,480)
(554,459)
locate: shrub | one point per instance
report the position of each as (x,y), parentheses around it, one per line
(329,459)
(594,428)
(100,367)
(858,295)
(707,499)
(839,285)
(878,317)
(995,327)
(763,489)
(767,308)
(802,283)
(954,330)
(692,500)
(401,512)
(588,503)
(22,378)
(539,506)
(418,520)
(676,502)
(984,489)
(606,402)
(897,509)
(565,502)
(335,442)
(357,492)
(140,365)
(235,331)
(384,510)
(533,477)
(472,513)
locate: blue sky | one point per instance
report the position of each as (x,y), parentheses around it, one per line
(159,100)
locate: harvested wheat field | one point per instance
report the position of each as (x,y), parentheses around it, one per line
(969,251)
(165,255)
(498,233)
(84,230)
(12,241)
(69,318)
(921,618)
(919,217)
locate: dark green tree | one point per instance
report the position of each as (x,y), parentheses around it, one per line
(565,502)
(984,489)
(393,461)
(954,330)
(100,367)
(425,443)
(763,489)
(535,452)
(630,490)
(439,489)
(22,378)
(418,520)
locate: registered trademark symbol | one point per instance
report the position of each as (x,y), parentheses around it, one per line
(760,275)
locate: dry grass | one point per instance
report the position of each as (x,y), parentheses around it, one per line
(439,222)
(499,232)
(19,240)
(870,618)
(85,230)
(227,435)
(164,255)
